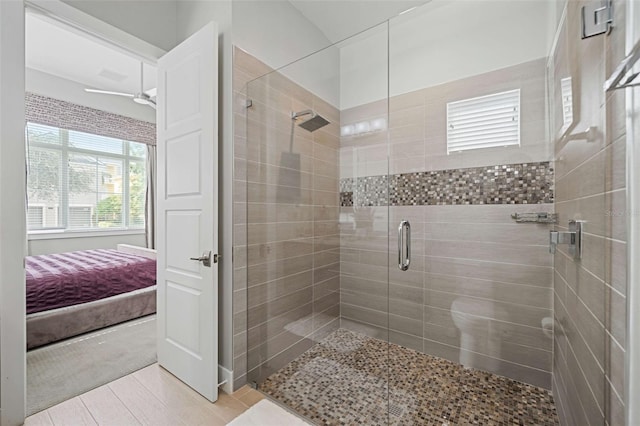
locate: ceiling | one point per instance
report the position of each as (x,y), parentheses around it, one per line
(65,53)
(339,19)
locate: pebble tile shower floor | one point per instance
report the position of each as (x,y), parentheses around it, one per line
(342,380)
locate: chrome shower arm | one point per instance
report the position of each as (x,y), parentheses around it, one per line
(295,115)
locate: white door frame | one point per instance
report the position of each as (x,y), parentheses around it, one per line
(632,375)
(13,244)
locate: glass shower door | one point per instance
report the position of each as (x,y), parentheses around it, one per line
(318,231)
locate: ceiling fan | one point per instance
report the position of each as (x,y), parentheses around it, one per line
(142,97)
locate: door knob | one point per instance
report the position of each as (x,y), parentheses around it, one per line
(205,259)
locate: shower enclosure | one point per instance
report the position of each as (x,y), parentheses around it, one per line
(400,188)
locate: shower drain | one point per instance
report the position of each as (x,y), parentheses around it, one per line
(396,410)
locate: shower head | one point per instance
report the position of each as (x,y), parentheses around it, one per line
(312,124)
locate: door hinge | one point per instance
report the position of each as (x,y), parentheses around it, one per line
(216,257)
(597,18)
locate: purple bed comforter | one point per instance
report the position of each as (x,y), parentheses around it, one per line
(65,279)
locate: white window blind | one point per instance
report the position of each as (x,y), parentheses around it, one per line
(35,217)
(80,181)
(484,122)
(567,101)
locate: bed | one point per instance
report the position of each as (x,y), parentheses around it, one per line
(73,293)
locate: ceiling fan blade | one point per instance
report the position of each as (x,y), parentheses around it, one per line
(152,92)
(108,92)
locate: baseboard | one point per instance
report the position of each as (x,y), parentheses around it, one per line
(225,377)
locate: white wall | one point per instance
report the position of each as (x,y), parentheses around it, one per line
(319,73)
(275,32)
(153,21)
(364,71)
(449,40)
(59,88)
(278,34)
(60,245)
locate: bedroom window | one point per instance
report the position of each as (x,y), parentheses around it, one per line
(80,181)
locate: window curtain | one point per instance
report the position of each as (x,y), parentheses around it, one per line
(150,204)
(66,115)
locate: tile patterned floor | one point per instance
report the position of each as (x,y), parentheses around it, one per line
(151,396)
(343,381)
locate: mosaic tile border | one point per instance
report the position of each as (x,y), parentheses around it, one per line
(66,115)
(365,191)
(523,183)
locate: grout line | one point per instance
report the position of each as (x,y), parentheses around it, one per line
(600,194)
(126,405)
(496,243)
(488,261)
(584,376)
(87,408)
(612,337)
(500,359)
(556,399)
(572,382)
(494,300)
(603,149)
(603,326)
(275,317)
(575,328)
(615,391)
(538,328)
(49,417)
(491,281)
(123,404)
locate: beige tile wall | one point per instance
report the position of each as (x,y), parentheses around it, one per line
(473,254)
(469,254)
(286,237)
(417,126)
(589,295)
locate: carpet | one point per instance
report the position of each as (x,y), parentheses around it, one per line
(63,370)
(266,413)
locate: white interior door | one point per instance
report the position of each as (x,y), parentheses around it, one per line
(187,219)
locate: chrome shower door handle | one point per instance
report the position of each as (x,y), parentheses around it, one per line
(404,245)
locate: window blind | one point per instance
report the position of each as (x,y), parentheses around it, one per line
(567,101)
(484,122)
(82,181)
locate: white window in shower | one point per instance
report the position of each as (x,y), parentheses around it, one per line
(484,122)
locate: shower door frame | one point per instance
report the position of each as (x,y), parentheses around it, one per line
(632,367)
